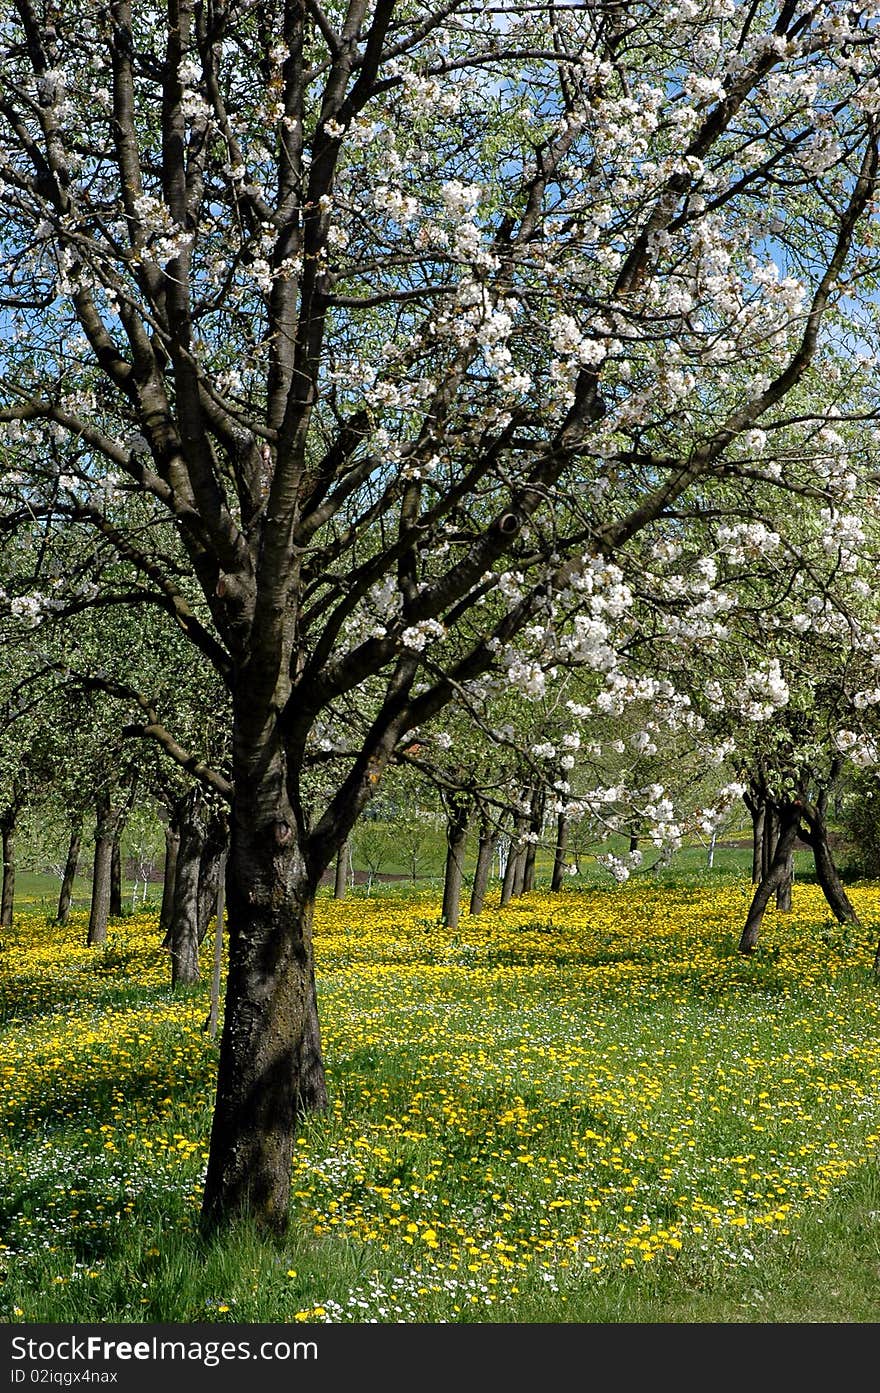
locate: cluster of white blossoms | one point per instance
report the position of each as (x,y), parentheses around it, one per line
(615,865)
(417,636)
(843,535)
(527,676)
(161,238)
(744,541)
(763,692)
(862,750)
(589,643)
(401,208)
(29,609)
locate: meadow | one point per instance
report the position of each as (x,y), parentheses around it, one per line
(587,1107)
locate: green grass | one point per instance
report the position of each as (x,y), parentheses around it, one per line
(588,1108)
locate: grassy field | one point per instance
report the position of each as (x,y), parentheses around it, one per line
(585,1108)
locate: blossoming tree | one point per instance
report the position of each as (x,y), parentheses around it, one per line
(401,323)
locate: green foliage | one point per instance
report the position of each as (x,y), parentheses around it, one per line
(860,823)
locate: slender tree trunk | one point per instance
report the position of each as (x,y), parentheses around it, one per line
(311,1088)
(109,822)
(116,879)
(211,865)
(7,894)
(827,873)
(509,871)
(758,812)
(485,854)
(99,909)
(340,882)
(519,870)
(769,838)
(558,876)
(786,886)
(214,1012)
(270,1054)
(529,859)
(787,834)
(65,895)
(755,805)
(634,838)
(456,841)
(184,930)
(166,911)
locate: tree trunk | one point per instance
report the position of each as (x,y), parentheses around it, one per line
(827,873)
(785,886)
(529,858)
(769,838)
(99,910)
(184,928)
(509,871)
(519,869)
(270,1053)
(759,813)
(340,881)
(65,894)
(787,833)
(485,853)
(457,820)
(109,821)
(7,894)
(214,1012)
(166,911)
(558,876)
(211,864)
(116,879)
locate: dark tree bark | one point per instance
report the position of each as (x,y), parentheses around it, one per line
(99,909)
(786,886)
(788,818)
(7,894)
(216,975)
(65,895)
(770,837)
(213,859)
(519,870)
(340,879)
(757,809)
(829,878)
(184,928)
(758,844)
(270,1053)
(8,825)
(816,837)
(485,851)
(115,879)
(112,806)
(166,911)
(558,877)
(458,813)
